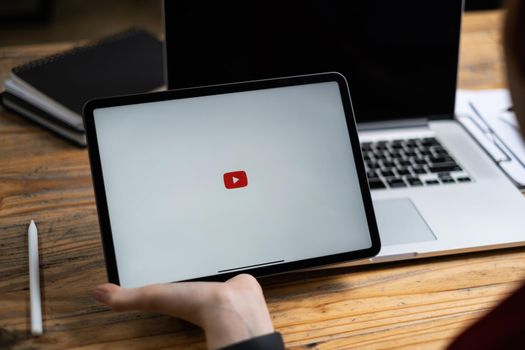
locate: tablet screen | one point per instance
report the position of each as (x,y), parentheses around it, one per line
(217,184)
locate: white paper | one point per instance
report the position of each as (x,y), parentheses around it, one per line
(489,110)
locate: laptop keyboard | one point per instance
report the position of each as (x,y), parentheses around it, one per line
(410,162)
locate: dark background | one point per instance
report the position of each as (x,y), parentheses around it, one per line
(44,21)
(474,5)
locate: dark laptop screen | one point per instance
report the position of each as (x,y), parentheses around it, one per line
(400,57)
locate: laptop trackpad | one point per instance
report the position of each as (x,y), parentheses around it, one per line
(399,222)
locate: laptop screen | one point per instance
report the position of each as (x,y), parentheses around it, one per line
(400,57)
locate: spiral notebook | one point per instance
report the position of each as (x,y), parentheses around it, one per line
(53,90)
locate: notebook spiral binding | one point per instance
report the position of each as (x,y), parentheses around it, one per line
(75,50)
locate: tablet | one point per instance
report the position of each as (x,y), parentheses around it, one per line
(260,177)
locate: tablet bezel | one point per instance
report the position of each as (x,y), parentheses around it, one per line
(100,193)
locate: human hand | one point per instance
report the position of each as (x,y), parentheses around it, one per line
(228,312)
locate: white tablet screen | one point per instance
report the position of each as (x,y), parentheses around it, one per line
(208,185)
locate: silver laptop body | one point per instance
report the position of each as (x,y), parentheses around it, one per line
(486,212)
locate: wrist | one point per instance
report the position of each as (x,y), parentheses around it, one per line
(234,315)
(228,327)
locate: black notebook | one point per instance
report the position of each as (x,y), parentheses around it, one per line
(55,88)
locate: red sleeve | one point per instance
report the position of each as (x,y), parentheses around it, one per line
(501,328)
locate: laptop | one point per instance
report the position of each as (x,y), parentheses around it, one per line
(435,191)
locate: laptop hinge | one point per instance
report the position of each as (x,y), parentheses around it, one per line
(393,124)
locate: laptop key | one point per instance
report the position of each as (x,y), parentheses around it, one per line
(440,151)
(396,183)
(442,167)
(414,181)
(376,183)
(464,179)
(387,173)
(432,182)
(441,159)
(388,164)
(371,174)
(430,141)
(396,154)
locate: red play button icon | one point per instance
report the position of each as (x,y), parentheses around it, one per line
(235,179)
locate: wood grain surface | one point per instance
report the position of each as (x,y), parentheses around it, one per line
(413,304)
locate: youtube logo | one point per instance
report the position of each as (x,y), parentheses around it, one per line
(235,179)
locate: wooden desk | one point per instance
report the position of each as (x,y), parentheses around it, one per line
(412,304)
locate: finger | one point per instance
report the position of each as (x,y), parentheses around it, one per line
(103,292)
(184,300)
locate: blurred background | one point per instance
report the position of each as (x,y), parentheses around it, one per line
(44,21)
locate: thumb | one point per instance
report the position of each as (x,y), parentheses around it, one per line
(119,299)
(184,300)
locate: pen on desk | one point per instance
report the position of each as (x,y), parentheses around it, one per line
(34,280)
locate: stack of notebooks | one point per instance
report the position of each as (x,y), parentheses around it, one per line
(53,90)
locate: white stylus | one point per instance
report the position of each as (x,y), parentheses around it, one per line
(34,280)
